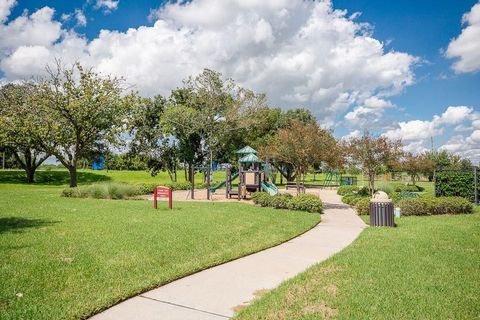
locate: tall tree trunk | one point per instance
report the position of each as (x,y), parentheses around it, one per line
(30,174)
(297,179)
(73,176)
(185,171)
(371,183)
(209,172)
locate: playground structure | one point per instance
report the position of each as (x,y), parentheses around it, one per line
(253,176)
(335,179)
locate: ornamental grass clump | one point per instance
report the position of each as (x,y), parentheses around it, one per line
(111,190)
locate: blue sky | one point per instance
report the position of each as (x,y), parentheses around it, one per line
(418,33)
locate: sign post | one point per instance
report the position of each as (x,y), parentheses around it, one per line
(162,192)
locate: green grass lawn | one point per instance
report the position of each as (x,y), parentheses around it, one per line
(426,268)
(87,176)
(64,258)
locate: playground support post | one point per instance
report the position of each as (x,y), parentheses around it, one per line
(192,182)
(209,171)
(475,179)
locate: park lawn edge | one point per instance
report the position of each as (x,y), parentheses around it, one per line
(100,310)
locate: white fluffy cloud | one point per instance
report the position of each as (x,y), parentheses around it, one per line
(454,115)
(466,48)
(301,53)
(465,146)
(5,8)
(107,5)
(80,17)
(414,130)
(417,134)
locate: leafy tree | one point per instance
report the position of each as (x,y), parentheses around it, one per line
(302,145)
(372,155)
(19,132)
(150,140)
(211,111)
(414,165)
(76,109)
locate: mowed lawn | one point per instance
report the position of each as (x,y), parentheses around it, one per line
(426,268)
(64,258)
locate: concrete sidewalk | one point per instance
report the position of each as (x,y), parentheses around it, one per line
(217,292)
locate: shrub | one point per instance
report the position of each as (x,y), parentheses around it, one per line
(262,199)
(303,202)
(113,190)
(456,183)
(408,188)
(306,202)
(363,206)
(434,206)
(352,198)
(343,190)
(146,188)
(280,201)
(71,193)
(364,192)
(397,196)
(385,187)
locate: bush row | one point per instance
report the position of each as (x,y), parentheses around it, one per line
(434,206)
(147,188)
(113,190)
(302,202)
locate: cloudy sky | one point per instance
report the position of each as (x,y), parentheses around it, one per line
(406,69)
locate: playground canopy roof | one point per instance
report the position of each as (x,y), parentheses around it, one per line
(247,150)
(249,158)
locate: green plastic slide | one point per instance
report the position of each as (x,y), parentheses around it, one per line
(222,184)
(270,188)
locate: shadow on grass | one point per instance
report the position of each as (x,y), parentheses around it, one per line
(50,177)
(16,224)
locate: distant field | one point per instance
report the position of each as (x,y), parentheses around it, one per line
(60,177)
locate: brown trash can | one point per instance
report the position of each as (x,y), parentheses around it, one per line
(381,213)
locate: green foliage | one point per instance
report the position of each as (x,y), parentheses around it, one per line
(364,192)
(303,202)
(397,196)
(306,202)
(435,206)
(456,183)
(385,187)
(362,205)
(281,201)
(343,190)
(408,188)
(110,190)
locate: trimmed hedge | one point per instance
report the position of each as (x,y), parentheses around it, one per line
(302,202)
(456,183)
(343,190)
(435,206)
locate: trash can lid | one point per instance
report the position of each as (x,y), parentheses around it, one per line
(380,196)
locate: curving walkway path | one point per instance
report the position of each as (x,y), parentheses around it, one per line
(218,292)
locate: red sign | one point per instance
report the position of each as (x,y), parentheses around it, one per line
(162,192)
